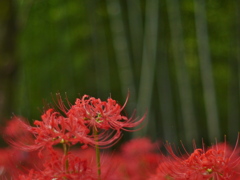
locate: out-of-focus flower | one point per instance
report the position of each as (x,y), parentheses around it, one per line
(13,131)
(137,160)
(14,161)
(139,146)
(218,162)
(55,169)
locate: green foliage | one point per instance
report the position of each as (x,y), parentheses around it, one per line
(68,46)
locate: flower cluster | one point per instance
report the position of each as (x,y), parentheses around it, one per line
(89,122)
(49,150)
(81,123)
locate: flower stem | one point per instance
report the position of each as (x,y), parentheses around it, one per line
(65,151)
(97,154)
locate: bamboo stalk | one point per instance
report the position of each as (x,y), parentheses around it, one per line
(121,48)
(99,54)
(136,29)
(148,62)
(206,70)
(189,130)
(169,127)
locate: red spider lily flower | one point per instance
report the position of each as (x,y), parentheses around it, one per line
(13,161)
(102,118)
(14,131)
(7,163)
(55,168)
(169,169)
(99,114)
(218,162)
(215,163)
(56,129)
(138,146)
(109,164)
(53,129)
(137,159)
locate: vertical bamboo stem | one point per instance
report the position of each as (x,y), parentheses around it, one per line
(121,48)
(150,43)
(185,90)
(206,70)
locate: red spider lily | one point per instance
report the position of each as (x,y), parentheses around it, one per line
(169,169)
(13,161)
(55,168)
(101,117)
(138,146)
(56,129)
(89,122)
(218,162)
(14,132)
(7,163)
(109,162)
(137,159)
(99,114)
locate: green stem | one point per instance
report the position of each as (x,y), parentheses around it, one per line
(65,151)
(97,154)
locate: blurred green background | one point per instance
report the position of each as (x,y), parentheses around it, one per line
(179,60)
